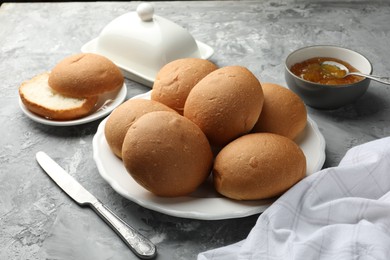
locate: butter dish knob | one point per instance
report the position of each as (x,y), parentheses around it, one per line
(145,11)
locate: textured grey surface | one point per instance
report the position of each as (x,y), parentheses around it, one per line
(38,221)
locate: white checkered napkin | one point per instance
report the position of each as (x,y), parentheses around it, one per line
(337,213)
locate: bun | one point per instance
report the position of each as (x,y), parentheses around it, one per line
(124,116)
(41,99)
(85,75)
(176,79)
(167,154)
(258,166)
(283,113)
(225,104)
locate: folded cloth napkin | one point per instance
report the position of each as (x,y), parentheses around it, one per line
(337,213)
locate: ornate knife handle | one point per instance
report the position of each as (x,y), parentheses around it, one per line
(139,244)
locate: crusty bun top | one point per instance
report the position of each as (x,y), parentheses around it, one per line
(225,104)
(84,75)
(167,154)
(176,79)
(124,116)
(258,166)
(284,112)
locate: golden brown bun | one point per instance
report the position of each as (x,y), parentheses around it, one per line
(225,104)
(42,100)
(283,113)
(124,116)
(167,154)
(258,166)
(84,75)
(176,79)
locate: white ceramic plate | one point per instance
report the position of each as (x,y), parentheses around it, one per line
(205,203)
(144,77)
(106,103)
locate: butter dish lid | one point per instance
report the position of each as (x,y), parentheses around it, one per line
(140,43)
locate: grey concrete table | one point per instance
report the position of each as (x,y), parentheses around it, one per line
(38,221)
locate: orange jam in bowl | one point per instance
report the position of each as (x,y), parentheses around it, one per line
(314,71)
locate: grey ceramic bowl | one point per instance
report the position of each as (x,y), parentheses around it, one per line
(327,96)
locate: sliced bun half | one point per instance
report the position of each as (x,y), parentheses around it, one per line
(41,99)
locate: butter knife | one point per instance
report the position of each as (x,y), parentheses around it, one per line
(139,244)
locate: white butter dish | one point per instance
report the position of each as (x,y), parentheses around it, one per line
(141,43)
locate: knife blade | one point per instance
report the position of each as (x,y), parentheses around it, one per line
(138,243)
